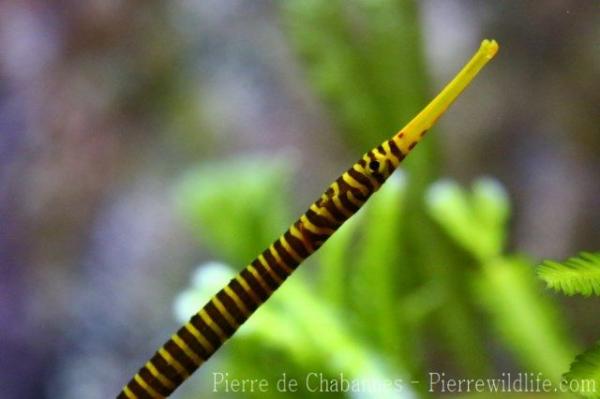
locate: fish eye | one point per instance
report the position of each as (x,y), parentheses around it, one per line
(374,166)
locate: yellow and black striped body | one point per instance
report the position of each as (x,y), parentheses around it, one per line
(207,330)
(218,320)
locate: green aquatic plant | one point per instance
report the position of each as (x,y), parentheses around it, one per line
(504,285)
(476,220)
(578,275)
(585,372)
(204,190)
(364,58)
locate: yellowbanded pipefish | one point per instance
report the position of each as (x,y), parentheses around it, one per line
(218,320)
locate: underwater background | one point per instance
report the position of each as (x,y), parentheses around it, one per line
(150,149)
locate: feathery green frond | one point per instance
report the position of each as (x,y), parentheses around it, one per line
(577,275)
(584,376)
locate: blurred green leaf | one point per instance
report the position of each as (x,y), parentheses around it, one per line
(475,220)
(491,209)
(526,321)
(377,280)
(236,206)
(335,262)
(365,58)
(456,322)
